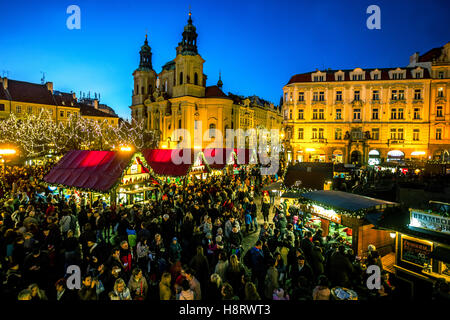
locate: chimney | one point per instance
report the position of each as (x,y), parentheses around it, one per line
(414,58)
(96,103)
(49,86)
(5,82)
(74,96)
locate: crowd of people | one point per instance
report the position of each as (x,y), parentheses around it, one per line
(197,241)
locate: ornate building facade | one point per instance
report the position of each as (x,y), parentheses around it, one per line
(370,115)
(178,98)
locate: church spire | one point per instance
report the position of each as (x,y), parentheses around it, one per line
(188,46)
(220,83)
(146,56)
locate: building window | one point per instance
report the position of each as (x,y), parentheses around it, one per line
(439,113)
(338,95)
(321,96)
(375,133)
(314,133)
(441,75)
(300,133)
(300,114)
(356,114)
(196,78)
(394,95)
(375,114)
(338,114)
(375,76)
(393,134)
(400,134)
(321,133)
(356,96)
(416,113)
(68,114)
(416,134)
(441,92)
(418,75)
(318,78)
(356,77)
(439,134)
(212,128)
(321,114)
(2,107)
(181,77)
(339,77)
(61,114)
(315,96)
(301,96)
(401,94)
(338,134)
(315,113)
(29,110)
(179,123)
(400,113)
(290,114)
(18,109)
(393,114)
(286,97)
(417,94)
(137,89)
(375,95)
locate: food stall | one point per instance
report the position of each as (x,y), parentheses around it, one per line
(422,254)
(352,216)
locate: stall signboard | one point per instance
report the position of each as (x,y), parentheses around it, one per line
(415,251)
(429,221)
(325,213)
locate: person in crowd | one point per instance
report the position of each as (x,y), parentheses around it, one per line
(322,290)
(120,292)
(251,293)
(138,285)
(186,292)
(165,292)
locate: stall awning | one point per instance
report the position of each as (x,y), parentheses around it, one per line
(218,158)
(346,201)
(162,162)
(92,170)
(440,253)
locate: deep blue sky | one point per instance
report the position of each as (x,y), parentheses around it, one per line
(257,44)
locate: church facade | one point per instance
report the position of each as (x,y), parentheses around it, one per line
(178,98)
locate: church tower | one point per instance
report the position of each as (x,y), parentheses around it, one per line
(144,76)
(189,78)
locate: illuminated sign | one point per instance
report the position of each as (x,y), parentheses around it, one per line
(429,221)
(326,214)
(134,169)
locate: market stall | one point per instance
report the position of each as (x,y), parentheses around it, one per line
(422,250)
(312,175)
(351,216)
(109,176)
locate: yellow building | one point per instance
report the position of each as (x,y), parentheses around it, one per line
(178,98)
(370,115)
(25,98)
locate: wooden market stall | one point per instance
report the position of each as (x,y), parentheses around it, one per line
(112,176)
(351,215)
(422,249)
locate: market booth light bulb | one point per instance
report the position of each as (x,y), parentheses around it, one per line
(125,148)
(7,151)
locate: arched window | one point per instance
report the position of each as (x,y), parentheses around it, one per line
(181,77)
(165,86)
(212,130)
(142,90)
(188,79)
(137,89)
(150,89)
(196,78)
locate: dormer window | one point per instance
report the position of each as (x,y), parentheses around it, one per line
(397,74)
(318,78)
(339,76)
(375,74)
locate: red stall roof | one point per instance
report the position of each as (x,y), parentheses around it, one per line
(160,160)
(97,170)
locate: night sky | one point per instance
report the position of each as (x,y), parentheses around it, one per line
(258,45)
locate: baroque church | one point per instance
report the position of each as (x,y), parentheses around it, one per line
(178,98)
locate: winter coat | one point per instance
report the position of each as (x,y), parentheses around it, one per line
(271,282)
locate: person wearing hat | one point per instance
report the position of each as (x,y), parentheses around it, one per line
(174,251)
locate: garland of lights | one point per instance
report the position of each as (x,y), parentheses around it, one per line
(36,135)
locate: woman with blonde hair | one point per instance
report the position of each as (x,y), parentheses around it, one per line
(234,273)
(165,293)
(121,292)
